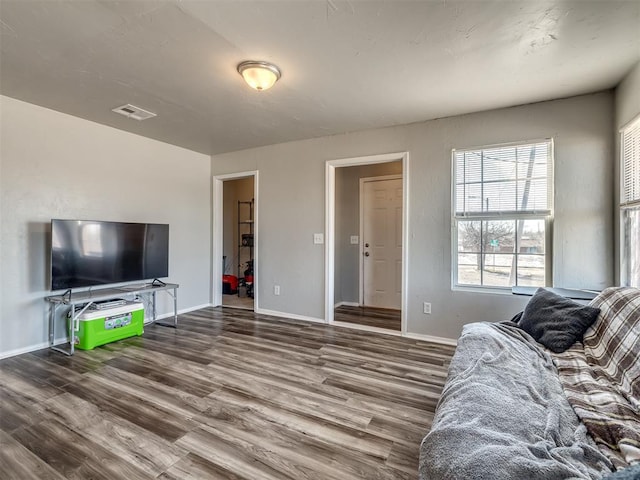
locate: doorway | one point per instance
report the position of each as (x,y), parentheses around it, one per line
(235,240)
(365,250)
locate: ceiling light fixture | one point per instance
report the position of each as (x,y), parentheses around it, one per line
(259,75)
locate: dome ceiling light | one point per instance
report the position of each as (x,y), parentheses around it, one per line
(259,75)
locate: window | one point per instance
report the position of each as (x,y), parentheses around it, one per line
(502,211)
(630,203)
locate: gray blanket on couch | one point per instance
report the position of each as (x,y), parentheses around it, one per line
(503,415)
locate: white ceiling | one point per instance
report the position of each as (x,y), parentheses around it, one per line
(345,65)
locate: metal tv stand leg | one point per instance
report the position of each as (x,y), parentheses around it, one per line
(73,328)
(175,309)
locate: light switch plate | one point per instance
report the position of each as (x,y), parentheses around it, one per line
(318,238)
(354,239)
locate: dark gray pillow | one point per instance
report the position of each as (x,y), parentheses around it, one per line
(516,318)
(556,322)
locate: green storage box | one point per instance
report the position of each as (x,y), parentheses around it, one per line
(100,326)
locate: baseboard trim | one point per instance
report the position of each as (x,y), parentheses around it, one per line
(367,328)
(292,316)
(20,351)
(346,304)
(396,333)
(180,312)
(430,338)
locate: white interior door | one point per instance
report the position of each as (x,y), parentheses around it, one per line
(382,242)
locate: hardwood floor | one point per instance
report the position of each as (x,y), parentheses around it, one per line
(370,316)
(228,395)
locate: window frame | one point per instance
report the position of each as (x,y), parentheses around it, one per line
(546,215)
(628,205)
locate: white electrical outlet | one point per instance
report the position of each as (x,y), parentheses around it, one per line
(318,238)
(276,289)
(427,308)
(354,239)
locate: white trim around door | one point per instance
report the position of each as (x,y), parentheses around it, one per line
(217,247)
(330,220)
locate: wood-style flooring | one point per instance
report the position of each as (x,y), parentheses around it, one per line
(370,316)
(228,395)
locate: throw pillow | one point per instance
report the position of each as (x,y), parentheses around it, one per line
(516,318)
(556,322)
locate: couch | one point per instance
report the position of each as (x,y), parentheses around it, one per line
(528,400)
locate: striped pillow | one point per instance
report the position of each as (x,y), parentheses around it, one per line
(613,341)
(602,380)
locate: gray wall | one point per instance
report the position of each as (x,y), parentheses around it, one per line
(292,208)
(59,166)
(627,100)
(347,256)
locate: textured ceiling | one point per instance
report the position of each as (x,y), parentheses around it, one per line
(346,65)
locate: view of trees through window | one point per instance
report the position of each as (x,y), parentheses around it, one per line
(501,253)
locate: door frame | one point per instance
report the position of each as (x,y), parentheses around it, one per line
(330,226)
(361,197)
(217,247)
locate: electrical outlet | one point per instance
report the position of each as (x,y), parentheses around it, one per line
(318,238)
(276,289)
(427,308)
(354,239)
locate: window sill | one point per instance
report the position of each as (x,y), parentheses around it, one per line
(572,293)
(489,290)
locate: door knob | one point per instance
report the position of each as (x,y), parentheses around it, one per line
(366,245)
(366,254)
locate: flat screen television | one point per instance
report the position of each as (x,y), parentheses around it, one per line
(85,253)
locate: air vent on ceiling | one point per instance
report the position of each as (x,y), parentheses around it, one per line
(134,112)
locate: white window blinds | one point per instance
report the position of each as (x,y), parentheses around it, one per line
(504,179)
(631,163)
